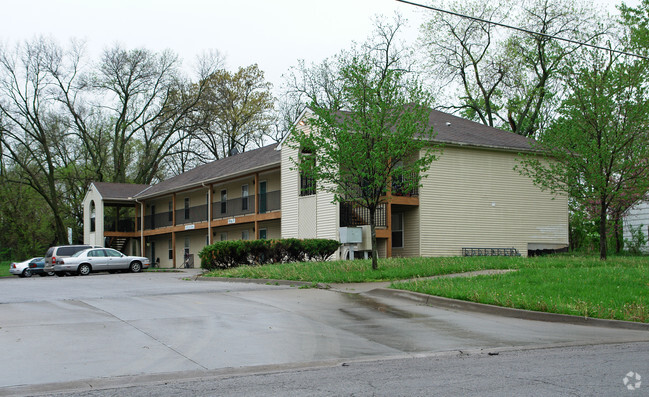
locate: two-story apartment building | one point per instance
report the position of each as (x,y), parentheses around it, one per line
(471,197)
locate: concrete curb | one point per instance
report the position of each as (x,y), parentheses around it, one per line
(455,304)
(262,281)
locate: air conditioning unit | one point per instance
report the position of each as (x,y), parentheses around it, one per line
(366,243)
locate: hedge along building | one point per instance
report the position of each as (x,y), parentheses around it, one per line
(471,197)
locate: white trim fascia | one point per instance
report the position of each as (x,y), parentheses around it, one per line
(304,113)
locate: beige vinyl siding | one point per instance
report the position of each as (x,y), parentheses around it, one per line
(290,193)
(96,237)
(273,228)
(327,216)
(474,198)
(197,239)
(307,217)
(273,181)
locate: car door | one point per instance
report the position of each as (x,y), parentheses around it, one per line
(117,260)
(98,260)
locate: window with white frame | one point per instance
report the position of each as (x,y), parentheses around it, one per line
(224,236)
(171,249)
(245,235)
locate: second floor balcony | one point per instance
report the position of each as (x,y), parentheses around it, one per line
(269,201)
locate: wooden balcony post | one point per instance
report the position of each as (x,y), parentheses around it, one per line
(256,183)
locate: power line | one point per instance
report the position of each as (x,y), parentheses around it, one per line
(521,29)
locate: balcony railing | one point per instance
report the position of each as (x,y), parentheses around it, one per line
(269,201)
(191,214)
(355,215)
(398,186)
(233,207)
(123,224)
(157,220)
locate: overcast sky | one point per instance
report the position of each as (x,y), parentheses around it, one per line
(272,33)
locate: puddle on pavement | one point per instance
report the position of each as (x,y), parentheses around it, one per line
(406,330)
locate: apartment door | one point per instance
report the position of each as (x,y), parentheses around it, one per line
(262,197)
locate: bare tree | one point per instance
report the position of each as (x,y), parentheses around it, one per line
(235,110)
(33,136)
(507,79)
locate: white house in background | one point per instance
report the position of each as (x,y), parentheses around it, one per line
(637,217)
(471,198)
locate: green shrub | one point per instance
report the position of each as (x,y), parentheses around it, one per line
(225,254)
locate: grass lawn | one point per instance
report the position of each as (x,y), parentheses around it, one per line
(4,269)
(577,285)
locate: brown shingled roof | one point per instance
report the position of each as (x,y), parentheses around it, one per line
(118,191)
(450,129)
(227,167)
(456,130)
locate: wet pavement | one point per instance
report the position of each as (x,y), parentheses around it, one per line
(74,329)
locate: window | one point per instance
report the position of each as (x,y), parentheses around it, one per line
(171,249)
(397,230)
(244,197)
(224,236)
(224,201)
(171,213)
(245,235)
(307,183)
(186,207)
(263,234)
(112,253)
(92,216)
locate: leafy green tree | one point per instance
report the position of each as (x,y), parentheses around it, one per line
(25,221)
(597,150)
(637,20)
(382,135)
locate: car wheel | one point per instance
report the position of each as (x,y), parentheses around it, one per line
(49,273)
(135,267)
(26,273)
(84,269)
(59,274)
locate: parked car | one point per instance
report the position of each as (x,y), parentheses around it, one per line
(29,267)
(99,260)
(62,251)
(38,267)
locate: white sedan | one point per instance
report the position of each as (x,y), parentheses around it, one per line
(22,269)
(99,260)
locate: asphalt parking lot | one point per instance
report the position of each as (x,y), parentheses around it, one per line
(57,333)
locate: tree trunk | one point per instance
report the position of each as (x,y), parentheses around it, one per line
(375,251)
(618,236)
(602,231)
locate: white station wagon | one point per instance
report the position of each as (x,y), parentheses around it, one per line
(100,260)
